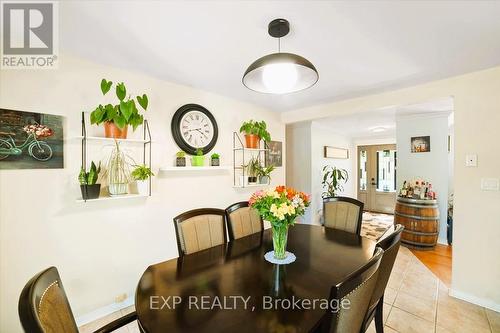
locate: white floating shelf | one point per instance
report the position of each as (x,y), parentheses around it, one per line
(99,138)
(251,185)
(115,197)
(194,168)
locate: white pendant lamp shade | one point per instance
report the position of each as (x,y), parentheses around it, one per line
(280,73)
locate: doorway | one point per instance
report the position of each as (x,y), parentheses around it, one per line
(377,167)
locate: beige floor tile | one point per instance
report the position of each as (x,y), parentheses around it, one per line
(424,288)
(423,308)
(404,322)
(395,280)
(390,295)
(371,328)
(494,319)
(386,311)
(387,329)
(133,327)
(460,320)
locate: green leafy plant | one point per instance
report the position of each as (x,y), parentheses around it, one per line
(141,172)
(253,167)
(214,156)
(333,180)
(117,169)
(199,152)
(258,128)
(265,171)
(122,114)
(89,178)
(180,154)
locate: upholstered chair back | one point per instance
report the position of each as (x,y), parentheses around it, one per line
(43,305)
(200,229)
(242,220)
(343,213)
(355,293)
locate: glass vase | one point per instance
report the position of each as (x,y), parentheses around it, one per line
(280,236)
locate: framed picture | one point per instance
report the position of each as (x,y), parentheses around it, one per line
(30,140)
(334,152)
(420,144)
(274,156)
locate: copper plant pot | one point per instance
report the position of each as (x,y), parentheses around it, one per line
(113,131)
(252,141)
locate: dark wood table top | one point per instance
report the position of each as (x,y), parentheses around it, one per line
(237,272)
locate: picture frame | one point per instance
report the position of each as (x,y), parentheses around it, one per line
(420,144)
(335,152)
(274,154)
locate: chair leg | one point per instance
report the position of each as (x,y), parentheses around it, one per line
(379,315)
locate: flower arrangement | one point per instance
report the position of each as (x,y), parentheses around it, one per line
(40,131)
(280,206)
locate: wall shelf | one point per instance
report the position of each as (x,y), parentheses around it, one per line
(111,140)
(115,197)
(250,185)
(192,168)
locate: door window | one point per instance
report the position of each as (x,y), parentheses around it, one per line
(386,170)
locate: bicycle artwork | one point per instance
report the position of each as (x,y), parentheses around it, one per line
(26,136)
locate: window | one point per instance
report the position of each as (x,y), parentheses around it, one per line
(386,170)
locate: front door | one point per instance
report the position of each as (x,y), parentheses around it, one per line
(377,177)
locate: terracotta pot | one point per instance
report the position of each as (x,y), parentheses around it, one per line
(113,131)
(252,141)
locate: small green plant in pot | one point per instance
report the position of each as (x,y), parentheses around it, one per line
(180,159)
(198,159)
(253,167)
(333,180)
(118,117)
(141,174)
(215,159)
(264,174)
(254,132)
(88,180)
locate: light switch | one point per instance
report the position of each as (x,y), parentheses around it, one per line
(490,184)
(471,160)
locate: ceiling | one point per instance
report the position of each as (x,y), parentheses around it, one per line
(381,123)
(358,47)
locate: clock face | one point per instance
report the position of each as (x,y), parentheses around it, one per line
(194,127)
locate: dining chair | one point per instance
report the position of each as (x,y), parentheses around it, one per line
(343,213)
(44,307)
(242,220)
(352,297)
(200,229)
(390,245)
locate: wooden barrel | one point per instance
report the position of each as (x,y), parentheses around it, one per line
(421,221)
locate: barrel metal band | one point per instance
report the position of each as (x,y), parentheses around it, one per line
(420,233)
(428,218)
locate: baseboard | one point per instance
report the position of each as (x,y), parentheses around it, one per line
(489,304)
(104,311)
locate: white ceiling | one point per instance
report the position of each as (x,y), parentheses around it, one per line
(357,47)
(361,125)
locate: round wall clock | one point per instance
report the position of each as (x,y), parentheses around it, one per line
(194,127)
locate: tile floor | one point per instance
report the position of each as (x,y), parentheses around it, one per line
(415,302)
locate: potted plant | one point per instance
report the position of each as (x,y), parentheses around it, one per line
(118,172)
(180,160)
(254,132)
(280,206)
(141,174)
(253,167)
(264,174)
(198,159)
(88,186)
(215,159)
(118,117)
(333,178)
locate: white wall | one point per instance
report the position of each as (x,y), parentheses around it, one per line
(322,136)
(305,162)
(102,248)
(475,272)
(431,166)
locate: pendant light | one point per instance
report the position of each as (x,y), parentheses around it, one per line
(280,73)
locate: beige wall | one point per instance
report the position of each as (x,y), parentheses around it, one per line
(476,268)
(102,248)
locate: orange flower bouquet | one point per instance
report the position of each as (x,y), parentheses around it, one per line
(280,206)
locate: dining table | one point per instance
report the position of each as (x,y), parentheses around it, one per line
(232,288)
